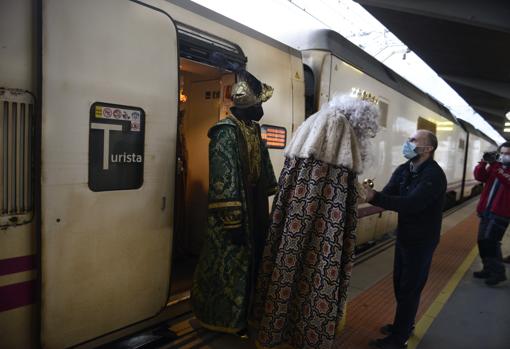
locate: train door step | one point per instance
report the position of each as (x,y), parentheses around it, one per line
(151,338)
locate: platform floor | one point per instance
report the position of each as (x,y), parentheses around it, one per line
(475,316)
(456,311)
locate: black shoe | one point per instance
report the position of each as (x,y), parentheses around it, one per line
(482,274)
(493,280)
(243,334)
(389,342)
(388,329)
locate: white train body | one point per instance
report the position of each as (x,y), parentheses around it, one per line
(89,226)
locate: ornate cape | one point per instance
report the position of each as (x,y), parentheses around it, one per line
(308,257)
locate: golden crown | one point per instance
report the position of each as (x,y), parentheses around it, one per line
(364,95)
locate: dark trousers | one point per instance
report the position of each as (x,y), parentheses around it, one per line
(491,231)
(410,272)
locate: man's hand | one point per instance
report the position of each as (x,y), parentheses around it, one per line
(370,193)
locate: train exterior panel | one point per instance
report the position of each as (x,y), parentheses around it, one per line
(478,145)
(18,322)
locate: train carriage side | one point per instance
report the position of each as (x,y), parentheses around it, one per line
(17,215)
(478,144)
(115,89)
(338,67)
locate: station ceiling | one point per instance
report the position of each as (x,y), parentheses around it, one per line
(466,42)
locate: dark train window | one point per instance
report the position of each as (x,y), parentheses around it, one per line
(310,104)
(383,118)
(424,124)
(275,137)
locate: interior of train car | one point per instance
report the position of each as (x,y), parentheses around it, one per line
(205,78)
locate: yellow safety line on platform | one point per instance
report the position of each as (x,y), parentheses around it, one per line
(435,308)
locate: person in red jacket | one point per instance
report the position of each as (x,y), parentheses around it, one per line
(494,212)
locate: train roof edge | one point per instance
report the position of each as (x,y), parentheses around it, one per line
(329,40)
(228,22)
(468,127)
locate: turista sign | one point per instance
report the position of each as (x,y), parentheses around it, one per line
(116,147)
(126,158)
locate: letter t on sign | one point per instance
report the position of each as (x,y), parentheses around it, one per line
(106,136)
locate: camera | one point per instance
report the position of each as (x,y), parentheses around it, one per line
(490,156)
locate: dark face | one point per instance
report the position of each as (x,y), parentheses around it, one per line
(255,112)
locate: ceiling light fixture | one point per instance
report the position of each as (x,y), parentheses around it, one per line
(508,115)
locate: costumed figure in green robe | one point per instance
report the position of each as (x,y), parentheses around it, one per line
(241,179)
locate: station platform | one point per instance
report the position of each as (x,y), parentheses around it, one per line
(456,310)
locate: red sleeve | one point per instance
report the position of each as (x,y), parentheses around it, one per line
(481,174)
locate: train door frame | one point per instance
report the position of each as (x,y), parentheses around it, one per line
(208,49)
(310,79)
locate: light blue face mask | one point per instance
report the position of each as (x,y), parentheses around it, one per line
(409,150)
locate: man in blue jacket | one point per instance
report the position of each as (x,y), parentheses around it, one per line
(416,191)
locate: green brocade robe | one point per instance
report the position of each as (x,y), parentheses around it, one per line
(224,279)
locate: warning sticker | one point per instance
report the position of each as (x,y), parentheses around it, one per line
(99,112)
(107,112)
(120,114)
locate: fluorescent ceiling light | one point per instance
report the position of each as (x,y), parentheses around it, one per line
(508,115)
(506,130)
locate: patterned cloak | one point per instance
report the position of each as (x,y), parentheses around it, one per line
(224,279)
(308,257)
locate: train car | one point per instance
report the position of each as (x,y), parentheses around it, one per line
(477,144)
(105,108)
(333,65)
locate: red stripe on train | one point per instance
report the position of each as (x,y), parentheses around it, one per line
(17,295)
(17,264)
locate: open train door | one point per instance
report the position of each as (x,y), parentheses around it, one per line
(109,116)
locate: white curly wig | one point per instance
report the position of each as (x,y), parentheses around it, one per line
(363,117)
(338,133)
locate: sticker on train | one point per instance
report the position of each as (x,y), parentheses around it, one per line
(275,137)
(116,147)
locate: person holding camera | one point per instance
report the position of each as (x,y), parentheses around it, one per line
(494,212)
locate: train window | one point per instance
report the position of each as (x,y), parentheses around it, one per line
(383,118)
(275,137)
(206,48)
(424,124)
(310,105)
(16,151)
(462,143)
